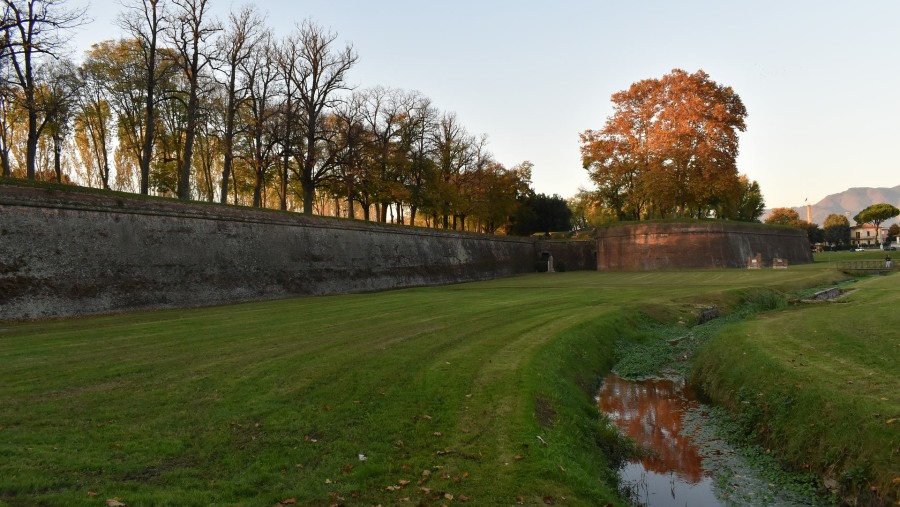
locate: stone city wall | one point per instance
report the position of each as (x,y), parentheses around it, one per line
(71,252)
(698,245)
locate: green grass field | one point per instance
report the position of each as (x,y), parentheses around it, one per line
(444,391)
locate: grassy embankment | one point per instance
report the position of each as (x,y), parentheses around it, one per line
(444,390)
(819,384)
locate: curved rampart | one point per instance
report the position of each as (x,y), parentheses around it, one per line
(646,246)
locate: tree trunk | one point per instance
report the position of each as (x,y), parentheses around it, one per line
(229,139)
(184,180)
(257,190)
(149,113)
(31,144)
(285,172)
(57,155)
(4,161)
(309,193)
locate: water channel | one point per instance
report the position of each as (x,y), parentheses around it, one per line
(688,464)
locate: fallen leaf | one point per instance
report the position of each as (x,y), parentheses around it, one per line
(111,502)
(448,496)
(327,408)
(425,490)
(403,483)
(518,457)
(346,469)
(289,501)
(426,472)
(465,474)
(91,494)
(437,433)
(892,421)
(328,481)
(463,498)
(548,500)
(426,416)
(393,488)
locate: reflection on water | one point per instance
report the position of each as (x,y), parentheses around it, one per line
(650,412)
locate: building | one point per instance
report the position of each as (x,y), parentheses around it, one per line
(867,235)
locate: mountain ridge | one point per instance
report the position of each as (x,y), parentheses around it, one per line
(849,202)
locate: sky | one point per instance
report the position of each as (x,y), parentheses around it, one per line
(820,79)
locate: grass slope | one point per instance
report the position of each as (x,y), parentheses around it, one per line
(444,390)
(821,385)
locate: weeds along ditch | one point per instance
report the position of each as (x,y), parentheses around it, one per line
(748,429)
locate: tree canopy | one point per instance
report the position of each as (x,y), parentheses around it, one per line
(877,214)
(837,229)
(784,216)
(669,149)
(542,213)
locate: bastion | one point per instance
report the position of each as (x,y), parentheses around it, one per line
(700,244)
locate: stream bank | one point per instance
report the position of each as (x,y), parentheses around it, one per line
(696,454)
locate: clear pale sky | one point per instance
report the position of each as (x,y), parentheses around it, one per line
(820,79)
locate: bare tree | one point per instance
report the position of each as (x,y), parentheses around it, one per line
(350,141)
(453,153)
(189,35)
(319,73)
(58,99)
(236,45)
(386,110)
(419,124)
(7,95)
(34,30)
(260,113)
(145,21)
(288,58)
(94,118)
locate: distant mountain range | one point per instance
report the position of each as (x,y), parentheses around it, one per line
(850,201)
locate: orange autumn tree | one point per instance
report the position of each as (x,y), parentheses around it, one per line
(669,149)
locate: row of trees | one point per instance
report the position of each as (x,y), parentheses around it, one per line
(835,230)
(186,105)
(670,150)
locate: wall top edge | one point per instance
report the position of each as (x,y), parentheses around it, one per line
(12,195)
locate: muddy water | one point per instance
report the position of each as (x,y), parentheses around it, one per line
(651,413)
(686,451)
